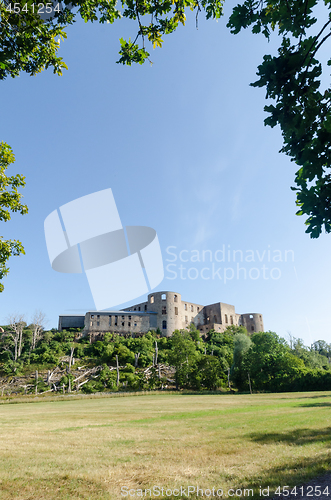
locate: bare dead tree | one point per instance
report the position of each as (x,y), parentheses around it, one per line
(17,324)
(38,324)
(156,352)
(71,357)
(118,372)
(291,339)
(136,357)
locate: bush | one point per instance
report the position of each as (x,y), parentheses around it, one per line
(92,386)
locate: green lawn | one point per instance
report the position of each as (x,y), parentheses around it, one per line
(90,448)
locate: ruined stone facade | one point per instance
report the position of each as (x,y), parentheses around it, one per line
(167,312)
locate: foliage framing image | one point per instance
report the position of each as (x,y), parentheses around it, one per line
(301,108)
(291,79)
(9,202)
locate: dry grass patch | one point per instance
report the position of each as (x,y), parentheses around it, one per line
(90,448)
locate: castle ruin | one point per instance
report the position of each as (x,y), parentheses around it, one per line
(165,311)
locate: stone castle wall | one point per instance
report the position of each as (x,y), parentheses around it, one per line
(167,312)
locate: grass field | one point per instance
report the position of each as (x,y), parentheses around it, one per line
(90,448)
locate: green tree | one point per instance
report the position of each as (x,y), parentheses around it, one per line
(182,356)
(239,373)
(322,348)
(10,201)
(270,363)
(316,357)
(30,43)
(302,108)
(211,373)
(108,378)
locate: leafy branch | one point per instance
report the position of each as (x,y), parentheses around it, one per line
(10,201)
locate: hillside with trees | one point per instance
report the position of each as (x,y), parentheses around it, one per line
(34,361)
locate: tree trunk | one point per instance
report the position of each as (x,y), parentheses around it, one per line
(118,372)
(20,334)
(229,385)
(156,352)
(136,357)
(70,359)
(249,382)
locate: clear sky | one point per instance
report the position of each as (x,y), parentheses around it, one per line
(183,147)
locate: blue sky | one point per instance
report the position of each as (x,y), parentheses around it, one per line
(183,147)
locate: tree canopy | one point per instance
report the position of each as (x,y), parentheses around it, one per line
(30,37)
(9,202)
(302,109)
(29,42)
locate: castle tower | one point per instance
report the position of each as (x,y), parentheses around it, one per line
(168,306)
(253,322)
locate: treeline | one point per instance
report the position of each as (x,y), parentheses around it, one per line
(232,360)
